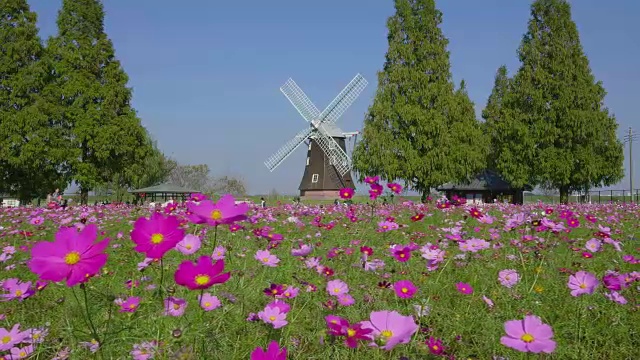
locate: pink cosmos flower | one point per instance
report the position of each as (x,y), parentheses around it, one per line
(404,289)
(352,332)
(283,306)
(209,302)
(130,305)
(273,316)
(156,235)
(582,283)
(396,188)
(389,328)
(528,335)
(224,211)
(346,300)
(464,288)
(337,287)
(218,253)
(11,338)
(508,277)
(266,258)
(73,256)
(202,275)
(190,244)
(274,352)
(593,245)
(174,306)
(16,289)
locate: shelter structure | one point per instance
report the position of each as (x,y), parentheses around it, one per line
(163,191)
(486,187)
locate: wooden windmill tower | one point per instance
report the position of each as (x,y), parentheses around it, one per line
(328,167)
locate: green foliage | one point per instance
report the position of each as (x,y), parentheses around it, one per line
(91,97)
(553,126)
(419,128)
(33,147)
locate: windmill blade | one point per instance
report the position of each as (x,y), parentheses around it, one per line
(337,157)
(300,100)
(341,103)
(287,149)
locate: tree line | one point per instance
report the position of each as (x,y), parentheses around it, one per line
(546,125)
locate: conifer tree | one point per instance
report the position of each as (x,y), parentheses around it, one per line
(92,98)
(419,128)
(560,133)
(33,150)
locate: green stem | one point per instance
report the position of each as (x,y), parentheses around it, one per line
(215,237)
(86,307)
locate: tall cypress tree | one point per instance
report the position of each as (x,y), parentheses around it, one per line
(561,133)
(92,98)
(419,128)
(33,151)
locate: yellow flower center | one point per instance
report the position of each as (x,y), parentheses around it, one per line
(22,353)
(405,290)
(202,279)
(386,333)
(176,306)
(6,339)
(72,258)
(334,321)
(157,238)
(527,338)
(132,306)
(274,291)
(336,290)
(35,336)
(435,347)
(264,259)
(351,332)
(402,254)
(583,286)
(207,304)
(216,214)
(272,318)
(18,293)
(189,247)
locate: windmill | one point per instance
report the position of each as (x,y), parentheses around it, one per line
(328,167)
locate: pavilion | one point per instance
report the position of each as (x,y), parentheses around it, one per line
(163,191)
(486,187)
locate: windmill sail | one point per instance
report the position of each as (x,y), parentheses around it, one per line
(287,149)
(300,100)
(345,98)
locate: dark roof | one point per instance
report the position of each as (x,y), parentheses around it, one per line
(486,180)
(163,189)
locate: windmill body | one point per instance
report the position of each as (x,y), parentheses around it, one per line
(328,167)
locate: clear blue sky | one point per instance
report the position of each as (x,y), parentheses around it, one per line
(206,74)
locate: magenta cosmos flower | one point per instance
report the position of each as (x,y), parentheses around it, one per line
(405,289)
(528,335)
(274,352)
(390,328)
(347,193)
(225,211)
(352,332)
(464,288)
(157,235)
(73,256)
(202,275)
(582,283)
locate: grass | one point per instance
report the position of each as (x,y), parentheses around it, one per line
(589,326)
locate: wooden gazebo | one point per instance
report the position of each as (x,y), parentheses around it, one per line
(163,191)
(487,187)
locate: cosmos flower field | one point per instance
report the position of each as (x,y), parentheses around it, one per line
(208,279)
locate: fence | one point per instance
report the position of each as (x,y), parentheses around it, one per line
(590,197)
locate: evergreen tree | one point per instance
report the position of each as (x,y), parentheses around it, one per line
(493,115)
(419,128)
(33,150)
(560,133)
(92,98)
